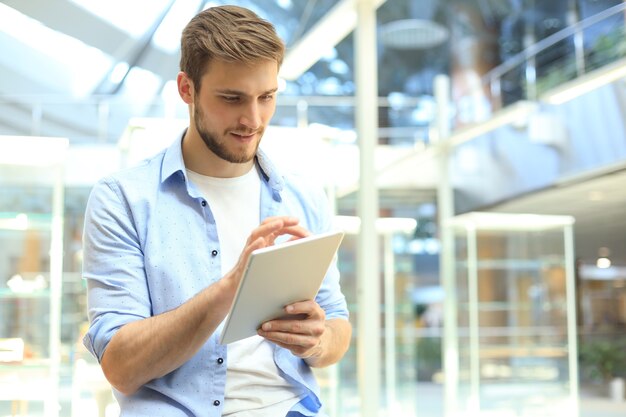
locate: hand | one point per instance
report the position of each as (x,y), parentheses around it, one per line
(265,235)
(301,331)
(269,229)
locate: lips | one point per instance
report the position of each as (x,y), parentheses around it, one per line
(244,136)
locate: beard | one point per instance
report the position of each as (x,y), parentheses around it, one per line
(220,147)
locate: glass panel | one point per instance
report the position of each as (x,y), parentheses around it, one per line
(514,341)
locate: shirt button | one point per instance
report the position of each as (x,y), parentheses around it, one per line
(203,203)
(214,252)
(216,403)
(220,361)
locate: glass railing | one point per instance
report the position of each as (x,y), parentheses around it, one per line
(573,52)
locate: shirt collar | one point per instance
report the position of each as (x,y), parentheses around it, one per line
(270,173)
(173,162)
(173,159)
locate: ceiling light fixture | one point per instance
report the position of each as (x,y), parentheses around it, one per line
(413,34)
(603,260)
(603,263)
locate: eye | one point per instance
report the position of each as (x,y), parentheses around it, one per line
(231,99)
(267,97)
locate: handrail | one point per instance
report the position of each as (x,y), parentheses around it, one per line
(551,40)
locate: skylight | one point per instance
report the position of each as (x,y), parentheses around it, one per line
(167,36)
(133,17)
(84,64)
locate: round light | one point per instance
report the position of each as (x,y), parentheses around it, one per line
(603,263)
(413,34)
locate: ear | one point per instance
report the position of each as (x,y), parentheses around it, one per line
(185,87)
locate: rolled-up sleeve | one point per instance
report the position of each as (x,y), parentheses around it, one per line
(330,297)
(113,265)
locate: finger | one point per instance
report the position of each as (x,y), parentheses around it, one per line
(290,340)
(267,231)
(307,326)
(286,220)
(258,243)
(247,251)
(268,227)
(302,346)
(308,307)
(297,232)
(273,225)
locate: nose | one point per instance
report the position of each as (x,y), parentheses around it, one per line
(251,116)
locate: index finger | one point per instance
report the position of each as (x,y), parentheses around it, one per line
(275,226)
(272,225)
(286,220)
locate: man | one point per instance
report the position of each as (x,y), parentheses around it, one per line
(165,244)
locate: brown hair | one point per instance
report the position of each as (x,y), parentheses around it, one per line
(229,33)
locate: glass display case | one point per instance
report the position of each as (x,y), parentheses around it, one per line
(516,351)
(31,238)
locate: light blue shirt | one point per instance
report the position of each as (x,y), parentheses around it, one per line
(151,243)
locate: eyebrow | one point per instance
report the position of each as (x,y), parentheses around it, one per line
(241,93)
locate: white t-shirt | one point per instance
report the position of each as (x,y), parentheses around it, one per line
(254,385)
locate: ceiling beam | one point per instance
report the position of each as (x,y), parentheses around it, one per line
(69,18)
(72,20)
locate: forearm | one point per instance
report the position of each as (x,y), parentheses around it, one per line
(333,344)
(150,348)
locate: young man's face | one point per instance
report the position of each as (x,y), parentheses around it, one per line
(233,107)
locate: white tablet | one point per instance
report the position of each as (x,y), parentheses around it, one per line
(275,277)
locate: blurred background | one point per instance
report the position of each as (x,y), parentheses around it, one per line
(493,199)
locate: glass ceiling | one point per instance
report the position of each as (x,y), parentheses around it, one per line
(137,17)
(127,51)
(78,65)
(108,54)
(88,65)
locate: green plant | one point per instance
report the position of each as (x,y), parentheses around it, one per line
(603,359)
(428,358)
(607,48)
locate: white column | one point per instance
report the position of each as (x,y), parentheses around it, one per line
(445,207)
(331,373)
(474,325)
(368,268)
(56,289)
(390,325)
(572,329)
